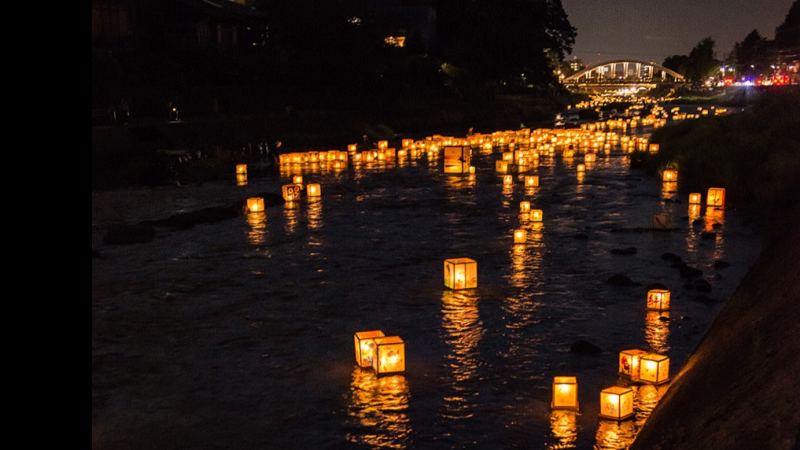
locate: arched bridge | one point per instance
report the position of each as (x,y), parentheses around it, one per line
(623,73)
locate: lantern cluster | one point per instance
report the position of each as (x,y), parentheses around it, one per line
(384,354)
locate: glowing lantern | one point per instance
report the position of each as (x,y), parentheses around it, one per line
(715,197)
(297,179)
(565,393)
(536,215)
(457,159)
(405,143)
(524,206)
(616,403)
(694,198)
(531,181)
(658,300)
(581,168)
(520,236)
(508,180)
(313,190)
(669,175)
(460,273)
(291,192)
(390,355)
(241,169)
(590,158)
(241,179)
(365,346)
(654,148)
(508,156)
(255,204)
(629,362)
(654,368)
(472,170)
(352,148)
(382,145)
(501,166)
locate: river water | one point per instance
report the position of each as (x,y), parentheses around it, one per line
(239,334)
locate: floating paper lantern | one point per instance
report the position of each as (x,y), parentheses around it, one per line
(472,170)
(616,403)
(694,198)
(241,179)
(520,236)
(716,197)
(291,192)
(565,393)
(531,181)
(654,148)
(297,179)
(382,145)
(501,166)
(365,346)
(255,204)
(241,169)
(405,143)
(313,190)
(457,159)
(352,148)
(658,299)
(669,175)
(581,168)
(590,158)
(629,362)
(390,355)
(508,180)
(460,273)
(654,368)
(524,206)
(537,215)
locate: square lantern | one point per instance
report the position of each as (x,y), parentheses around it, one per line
(241,169)
(241,179)
(364,342)
(508,180)
(654,368)
(406,143)
(629,362)
(616,403)
(501,166)
(297,179)
(313,190)
(658,299)
(472,170)
(694,198)
(565,393)
(390,355)
(291,192)
(352,147)
(537,215)
(460,273)
(255,205)
(654,148)
(520,236)
(715,197)
(590,157)
(457,159)
(382,145)
(669,175)
(524,206)
(581,168)
(531,181)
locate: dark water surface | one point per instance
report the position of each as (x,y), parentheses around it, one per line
(239,334)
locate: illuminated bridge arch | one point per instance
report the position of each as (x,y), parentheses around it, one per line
(625,71)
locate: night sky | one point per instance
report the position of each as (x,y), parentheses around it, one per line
(654,29)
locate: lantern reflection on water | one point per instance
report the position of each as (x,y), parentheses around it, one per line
(616,403)
(629,362)
(460,273)
(658,299)
(654,368)
(364,342)
(614,435)
(716,197)
(378,408)
(656,330)
(255,205)
(390,355)
(241,179)
(565,393)
(564,427)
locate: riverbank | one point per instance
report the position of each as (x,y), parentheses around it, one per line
(736,391)
(755,155)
